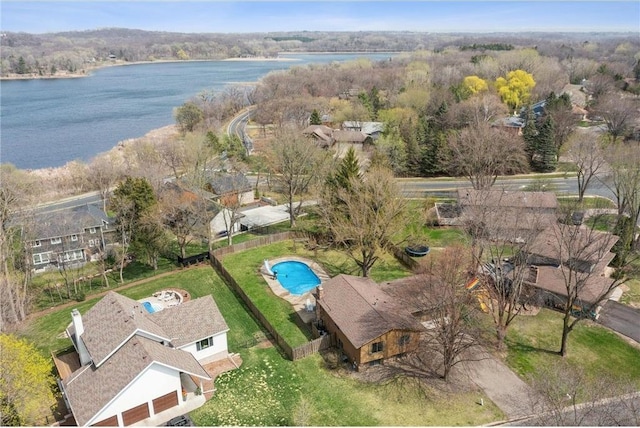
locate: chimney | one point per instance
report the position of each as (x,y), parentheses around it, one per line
(319,292)
(78,326)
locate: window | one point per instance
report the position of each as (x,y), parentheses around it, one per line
(91,243)
(36,244)
(71,256)
(404,340)
(204,344)
(92,230)
(41,258)
(377,347)
(56,241)
(375,362)
(74,238)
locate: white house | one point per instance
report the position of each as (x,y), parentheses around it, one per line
(135,364)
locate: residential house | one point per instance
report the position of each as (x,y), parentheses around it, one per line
(371,129)
(322,134)
(575,255)
(131,364)
(70,236)
(230,189)
(515,215)
(366,324)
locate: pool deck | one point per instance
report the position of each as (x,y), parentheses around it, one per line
(298,302)
(165,299)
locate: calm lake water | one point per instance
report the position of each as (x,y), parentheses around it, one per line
(49,122)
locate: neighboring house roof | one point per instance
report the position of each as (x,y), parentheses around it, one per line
(414,293)
(510,122)
(229,183)
(368,128)
(311,129)
(504,198)
(198,318)
(576,94)
(362,310)
(90,389)
(560,242)
(68,221)
(553,279)
(344,136)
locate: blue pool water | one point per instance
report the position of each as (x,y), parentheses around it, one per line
(296,277)
(149,307)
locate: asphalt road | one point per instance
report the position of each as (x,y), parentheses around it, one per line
(621,318)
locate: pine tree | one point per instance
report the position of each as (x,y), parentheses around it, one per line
(548,158)
(530,136)
(314,119)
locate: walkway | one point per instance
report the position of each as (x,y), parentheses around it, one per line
(510,393)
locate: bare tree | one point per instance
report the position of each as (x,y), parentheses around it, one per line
(366,217)
(452,308)
(585,150)
(617,113)
(481,153)
(624,181)
(567,396)
(105,173)
(15,263)
(184,214)
(502,226)
(573,260)
(297,163)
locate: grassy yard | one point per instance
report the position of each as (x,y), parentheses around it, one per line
(46,331)
(245,266)
(589,202)
(533,341)
(268,390)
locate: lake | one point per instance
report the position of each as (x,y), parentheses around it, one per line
(49,122)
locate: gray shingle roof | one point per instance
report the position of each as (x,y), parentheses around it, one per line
(362,310)
(67,221)
(111,321)
(229,183)
(89,389)
(198,318)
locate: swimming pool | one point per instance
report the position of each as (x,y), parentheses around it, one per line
(150,307)
(296,277)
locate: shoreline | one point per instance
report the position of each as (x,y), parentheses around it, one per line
(89,70)
(118,63)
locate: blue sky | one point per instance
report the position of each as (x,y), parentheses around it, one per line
(262,16)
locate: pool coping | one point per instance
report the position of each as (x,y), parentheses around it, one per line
(297,301)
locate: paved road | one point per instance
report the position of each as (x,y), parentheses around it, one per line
(617,411)
(421,187)
(621,318)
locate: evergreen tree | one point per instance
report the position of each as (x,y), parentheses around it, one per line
(22,66)
(315,118)
(530,136)
(349,168)
(432,145)
(547,159)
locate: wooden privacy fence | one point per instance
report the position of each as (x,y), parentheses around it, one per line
(309,348)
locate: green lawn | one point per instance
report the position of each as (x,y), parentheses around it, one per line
(268,390)
(533,341)
(46,331)
(244,267)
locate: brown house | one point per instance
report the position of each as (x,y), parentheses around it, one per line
(366,324)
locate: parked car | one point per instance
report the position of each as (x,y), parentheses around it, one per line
(180,421)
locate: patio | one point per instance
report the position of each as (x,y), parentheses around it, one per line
(299,303)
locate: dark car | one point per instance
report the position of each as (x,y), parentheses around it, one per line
(180,421)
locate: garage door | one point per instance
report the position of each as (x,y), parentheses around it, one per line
(135,414)
(165,402)
(109,422)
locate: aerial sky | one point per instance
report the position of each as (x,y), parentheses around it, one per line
(208,16)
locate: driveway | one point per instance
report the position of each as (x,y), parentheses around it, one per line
(510,393)
(621,318)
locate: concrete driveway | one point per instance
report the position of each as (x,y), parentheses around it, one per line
(621,318)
